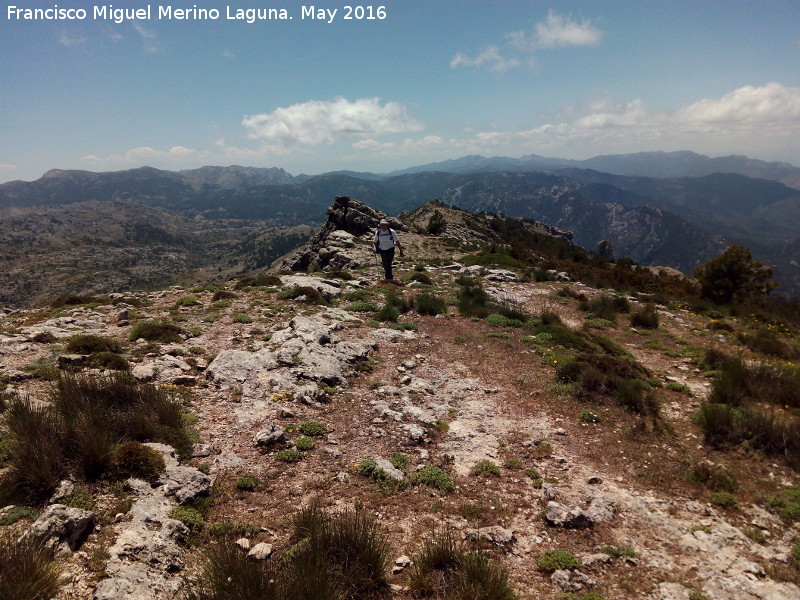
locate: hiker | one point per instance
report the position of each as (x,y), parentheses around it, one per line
(385,242)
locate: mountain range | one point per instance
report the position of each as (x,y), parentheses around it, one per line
(672,209)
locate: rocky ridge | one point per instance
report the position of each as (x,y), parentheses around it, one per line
(448,391)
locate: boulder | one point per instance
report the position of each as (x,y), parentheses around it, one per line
(557,515)
(62,528)
(269,436)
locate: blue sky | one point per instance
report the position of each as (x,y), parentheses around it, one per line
(432,80)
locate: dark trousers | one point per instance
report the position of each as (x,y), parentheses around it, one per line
(387,256)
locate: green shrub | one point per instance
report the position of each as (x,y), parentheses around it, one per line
(80,498)
(134,459)
(156,331)
(618,551)
(498,320)
(109,360)
(250,483)
(400,461)
(309,294)
(435,478)
(724,499)
(88,344)
(428,304)
(714,477)
(191,517)
(15,513)
(289,456)
(190,300)
(305,443)
(646,318)
(479,578)
(362,306)
(223,295)
(27,570)
(78,431)
(439,556)
(734,275)
(766,341)
(260,280)
(242,318)
(347,554)
(557,560)
(227,574)
(587,415)
(606,307)
(313,429)
(787,503)
(422,278)
(485,468)
(388,314)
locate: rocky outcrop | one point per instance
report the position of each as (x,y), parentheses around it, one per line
(300,358)
(62,528)
(336,245)
(147,552)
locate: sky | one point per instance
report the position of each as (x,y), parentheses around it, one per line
(418,82)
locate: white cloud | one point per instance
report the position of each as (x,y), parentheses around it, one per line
(66,39)
(490,57)
(558,32)
(408,145)
(326,122)
(555,31)
(7,167)
(149,38)
(175,157)
(747,119)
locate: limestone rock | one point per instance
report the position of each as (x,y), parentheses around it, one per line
(273,434)
(62,527)
(494,534)
(568,518)
(261,551)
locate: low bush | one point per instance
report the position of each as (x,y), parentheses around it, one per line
(787,503)
(134,459)
(109,360)
(557,560)
(422,278)
(724,499)
(606,307)
(223,295)
(485,468)
(308,294)
(714,477)
(88,344)
(428,304)
(250,483)
(78,431)
(646,318)
(156,331)
(767,341)
(618,551)
(261,280)
(305,444)
(27,570)
(289,456)
(435,478)
(191,517)
(313,429)
(443,567)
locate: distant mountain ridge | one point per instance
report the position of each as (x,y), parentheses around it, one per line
(646,164)
(670,221)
